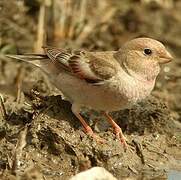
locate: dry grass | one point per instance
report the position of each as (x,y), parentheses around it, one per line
(71,20)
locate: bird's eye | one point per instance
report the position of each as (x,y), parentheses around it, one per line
(147,51)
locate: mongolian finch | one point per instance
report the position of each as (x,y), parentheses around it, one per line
(104,81)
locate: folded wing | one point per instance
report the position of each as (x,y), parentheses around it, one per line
(89,66)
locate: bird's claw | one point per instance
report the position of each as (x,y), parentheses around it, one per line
(121,137)
(90,132)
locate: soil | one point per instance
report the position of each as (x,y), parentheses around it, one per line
(40,138)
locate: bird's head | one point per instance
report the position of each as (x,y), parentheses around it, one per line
(143,56)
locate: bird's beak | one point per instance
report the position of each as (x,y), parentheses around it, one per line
(165,57)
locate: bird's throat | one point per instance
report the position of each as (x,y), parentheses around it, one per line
(146,75)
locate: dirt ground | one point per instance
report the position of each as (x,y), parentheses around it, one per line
(39,136)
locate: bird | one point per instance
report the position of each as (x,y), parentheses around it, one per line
(105,81)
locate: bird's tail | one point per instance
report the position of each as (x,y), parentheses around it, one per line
(35,59)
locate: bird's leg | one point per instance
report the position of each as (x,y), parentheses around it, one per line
(117,130)
(88,130)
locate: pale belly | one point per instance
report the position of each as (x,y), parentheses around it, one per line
(111,96)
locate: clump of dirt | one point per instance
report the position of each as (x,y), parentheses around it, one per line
(149,116)
(58,146)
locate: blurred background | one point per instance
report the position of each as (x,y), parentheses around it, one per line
(96,25)
(93,25)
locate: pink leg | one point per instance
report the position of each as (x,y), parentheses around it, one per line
(117,130)
(88,130)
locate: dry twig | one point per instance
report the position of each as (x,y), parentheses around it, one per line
(21,143)
(2,107)
(139,150)
(41,29)
(18,81)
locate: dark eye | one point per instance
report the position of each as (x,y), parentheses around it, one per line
(147,51)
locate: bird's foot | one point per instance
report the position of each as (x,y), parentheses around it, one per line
(120,136)
(117,130)
(88,130)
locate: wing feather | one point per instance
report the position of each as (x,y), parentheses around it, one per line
(92,67)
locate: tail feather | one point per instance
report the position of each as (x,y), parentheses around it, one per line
(30,58)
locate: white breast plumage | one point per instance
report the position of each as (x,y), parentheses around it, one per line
(132,90)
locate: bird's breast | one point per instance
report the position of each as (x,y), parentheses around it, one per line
(129,90)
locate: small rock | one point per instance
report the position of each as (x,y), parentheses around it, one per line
(95,173)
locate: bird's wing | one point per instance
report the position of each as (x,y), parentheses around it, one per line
(92,67)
